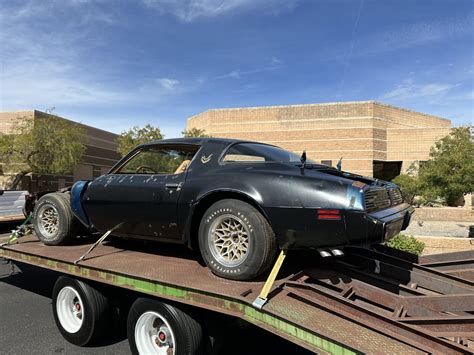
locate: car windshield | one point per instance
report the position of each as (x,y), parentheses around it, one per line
(255,153)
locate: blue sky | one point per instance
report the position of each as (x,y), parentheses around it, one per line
(115,64)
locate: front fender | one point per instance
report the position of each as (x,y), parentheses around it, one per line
(77,192)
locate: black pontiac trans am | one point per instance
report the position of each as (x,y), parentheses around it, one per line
(238,202)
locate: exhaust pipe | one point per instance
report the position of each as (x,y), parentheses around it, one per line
(324,253)
(337,252)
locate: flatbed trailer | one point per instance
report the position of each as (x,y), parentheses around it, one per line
(370,301)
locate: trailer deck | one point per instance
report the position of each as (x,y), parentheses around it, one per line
(370,301)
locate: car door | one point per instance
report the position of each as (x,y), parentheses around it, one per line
(141,194)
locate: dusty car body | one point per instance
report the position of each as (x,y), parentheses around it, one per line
(306,205)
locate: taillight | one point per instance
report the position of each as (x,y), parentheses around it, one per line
(329,214)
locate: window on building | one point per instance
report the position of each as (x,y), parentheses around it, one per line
(386,170)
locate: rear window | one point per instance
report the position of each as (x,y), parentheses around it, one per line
(259,153)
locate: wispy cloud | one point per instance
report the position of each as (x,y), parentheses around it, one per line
(409,90)
(274,64)
(168,84)
(415,34)
(43,66)
(190,10)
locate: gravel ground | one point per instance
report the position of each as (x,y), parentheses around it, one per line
(438,229)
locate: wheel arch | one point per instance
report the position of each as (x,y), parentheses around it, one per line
(206,201)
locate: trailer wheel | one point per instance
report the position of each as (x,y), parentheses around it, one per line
(53,221)
(236,241)
(80,311)
(157,328)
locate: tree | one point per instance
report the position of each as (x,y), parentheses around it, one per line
(194,132)
(449,173)
(134,136)
(46,145)
(409,184)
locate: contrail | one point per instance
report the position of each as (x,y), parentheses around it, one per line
(347,59)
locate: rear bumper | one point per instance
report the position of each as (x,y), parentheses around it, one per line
(387,223)
(299,228)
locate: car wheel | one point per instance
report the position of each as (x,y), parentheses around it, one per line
(53,220)
(80,311)
(235,240)
(158,328)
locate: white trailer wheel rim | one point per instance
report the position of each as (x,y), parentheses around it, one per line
(148,329)
(70,309)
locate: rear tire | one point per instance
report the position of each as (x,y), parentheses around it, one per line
(158,328)
(81,312)
(236,241)
(53,220)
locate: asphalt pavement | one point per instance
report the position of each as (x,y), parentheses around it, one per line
(27,325)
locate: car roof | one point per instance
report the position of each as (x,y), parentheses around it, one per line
(198,141)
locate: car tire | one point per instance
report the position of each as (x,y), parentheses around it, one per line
(53,220)
(156,327)
(236,241)
(82,313)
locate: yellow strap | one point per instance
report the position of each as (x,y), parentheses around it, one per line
(273,274)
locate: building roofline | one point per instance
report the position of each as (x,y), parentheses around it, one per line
(18,111)
(320,104)
(75,122)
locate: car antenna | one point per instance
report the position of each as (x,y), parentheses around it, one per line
(303,159)
(339,164)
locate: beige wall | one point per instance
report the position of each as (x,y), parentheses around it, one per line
(360,132)
(100,153)
(8,120)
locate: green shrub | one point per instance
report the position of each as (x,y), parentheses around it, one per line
(406,243)
(410,187)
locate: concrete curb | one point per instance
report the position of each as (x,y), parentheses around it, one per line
(436,245)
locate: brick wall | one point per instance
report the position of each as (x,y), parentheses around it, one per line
(360,132)
(8,120)
(100,153)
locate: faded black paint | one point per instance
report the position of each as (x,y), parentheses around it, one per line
(288,195)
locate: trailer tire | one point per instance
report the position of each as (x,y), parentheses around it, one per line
(81,312)
(234,226)
(152,324)
(53,220)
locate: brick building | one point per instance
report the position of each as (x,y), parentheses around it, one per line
(98,158)
(372,138)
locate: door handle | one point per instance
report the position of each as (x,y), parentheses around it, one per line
(172,186)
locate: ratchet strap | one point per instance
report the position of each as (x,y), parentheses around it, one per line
(20,231)
(263,296)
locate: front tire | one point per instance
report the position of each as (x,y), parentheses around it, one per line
(81,312)
(235,240)
(53,220)
(158,328)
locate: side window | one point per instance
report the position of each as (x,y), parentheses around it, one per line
(242,158)
(159,160)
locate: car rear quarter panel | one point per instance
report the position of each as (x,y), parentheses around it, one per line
(288,198)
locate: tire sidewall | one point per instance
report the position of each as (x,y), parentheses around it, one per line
(247,214)
(63,226)
(168,313)
(85,333)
